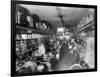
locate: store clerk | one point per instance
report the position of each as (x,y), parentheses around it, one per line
(41,49)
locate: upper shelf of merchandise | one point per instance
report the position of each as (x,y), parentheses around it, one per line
(88,25)
(45,32)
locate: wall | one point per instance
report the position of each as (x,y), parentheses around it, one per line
(5,38)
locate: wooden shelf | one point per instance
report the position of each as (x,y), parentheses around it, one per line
(50,32)
(90,24)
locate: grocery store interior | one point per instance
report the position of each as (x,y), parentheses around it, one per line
(54,38)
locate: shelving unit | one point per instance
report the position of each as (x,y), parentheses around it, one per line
(88,25)
(50,32)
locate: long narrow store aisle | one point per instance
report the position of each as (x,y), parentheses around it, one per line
(52,38)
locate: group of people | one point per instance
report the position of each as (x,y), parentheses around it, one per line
(35,60)
(71,55)
(53,56)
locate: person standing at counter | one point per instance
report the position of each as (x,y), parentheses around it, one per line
(41,49)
